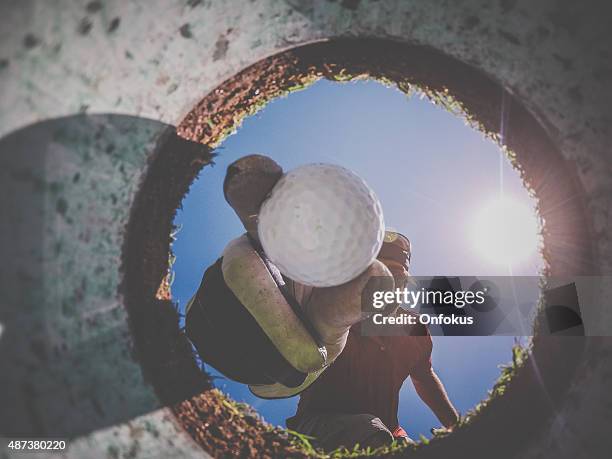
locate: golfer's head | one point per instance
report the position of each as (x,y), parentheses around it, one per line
(396,247)
(248,182)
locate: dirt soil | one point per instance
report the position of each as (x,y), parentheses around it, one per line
(228,432)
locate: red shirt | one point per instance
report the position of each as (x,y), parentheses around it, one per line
(368,375)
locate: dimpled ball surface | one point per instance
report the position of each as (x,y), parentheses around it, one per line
(322,225)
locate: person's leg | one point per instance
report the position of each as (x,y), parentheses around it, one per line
(332,431)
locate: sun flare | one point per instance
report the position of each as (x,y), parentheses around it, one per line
(505,231)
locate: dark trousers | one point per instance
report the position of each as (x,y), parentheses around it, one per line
(334,430)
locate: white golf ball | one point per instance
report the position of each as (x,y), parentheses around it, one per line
(322,225)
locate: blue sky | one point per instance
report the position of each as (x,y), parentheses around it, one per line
(432,174)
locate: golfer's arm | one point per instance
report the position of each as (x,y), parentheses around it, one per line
(432,392)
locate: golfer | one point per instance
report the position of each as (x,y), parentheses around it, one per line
(280,337)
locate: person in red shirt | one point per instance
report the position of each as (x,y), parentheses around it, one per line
(356,399)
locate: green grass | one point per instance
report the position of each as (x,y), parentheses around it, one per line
(305,443)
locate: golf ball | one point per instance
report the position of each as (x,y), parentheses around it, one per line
(322,225)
